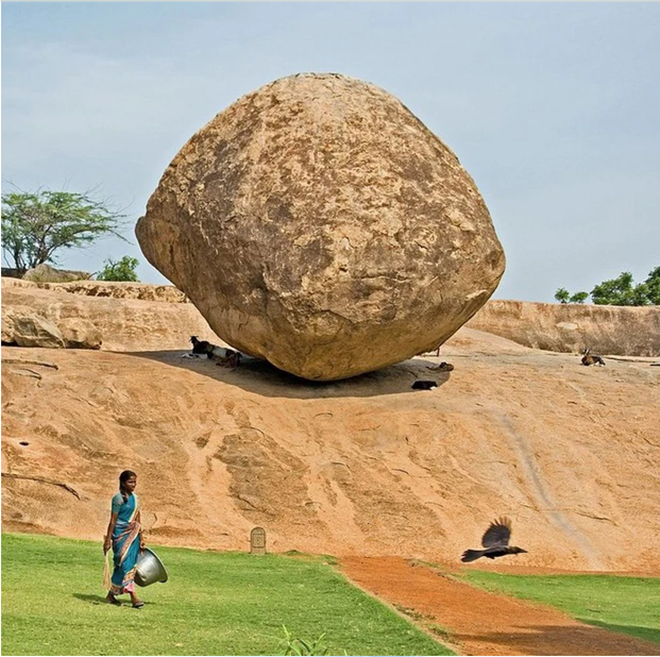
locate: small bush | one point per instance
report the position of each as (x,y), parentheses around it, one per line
(124,270)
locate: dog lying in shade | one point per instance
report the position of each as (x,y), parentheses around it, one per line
(200,347)
(424,385)
(225,357)
(495,542)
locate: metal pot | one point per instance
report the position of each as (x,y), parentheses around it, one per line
(149,568)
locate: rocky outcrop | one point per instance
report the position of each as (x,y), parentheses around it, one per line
(44,273)
(609,330)
(79,333)
(112,289)
(614,330)
(319,224)
(23,327)
(29,329)
(83,321)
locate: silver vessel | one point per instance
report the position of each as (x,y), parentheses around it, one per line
(149,568)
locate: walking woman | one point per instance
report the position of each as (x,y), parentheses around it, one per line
(124,535)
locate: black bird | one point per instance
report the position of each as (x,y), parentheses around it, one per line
(496,541)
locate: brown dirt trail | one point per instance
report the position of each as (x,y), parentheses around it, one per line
(480,622)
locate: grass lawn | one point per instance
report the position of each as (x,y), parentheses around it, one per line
(621,604)
(213,604)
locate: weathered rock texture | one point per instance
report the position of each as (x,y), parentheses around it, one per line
(44,273)
(615,330)
(319,224)
(84,321)
(34,330)
(365,466)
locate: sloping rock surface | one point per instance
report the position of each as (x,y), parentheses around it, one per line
(317,223)
(120,319)
(616,330)
(46,274)
(365,466)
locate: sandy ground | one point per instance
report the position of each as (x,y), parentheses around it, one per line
(479,622)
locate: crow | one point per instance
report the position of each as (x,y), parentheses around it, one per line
(496,542)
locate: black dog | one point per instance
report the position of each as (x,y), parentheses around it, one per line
(200,346)
(424,385)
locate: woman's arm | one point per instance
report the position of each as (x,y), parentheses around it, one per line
(139,521)
(107,544)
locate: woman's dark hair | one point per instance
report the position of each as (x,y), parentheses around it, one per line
(123,478)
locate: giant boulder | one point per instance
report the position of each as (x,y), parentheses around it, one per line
(317,223)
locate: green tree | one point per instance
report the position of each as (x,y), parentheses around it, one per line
(620,291)
(579,297)
(35,225)
(616,292)
(564,296)
(653,286)
(122,270)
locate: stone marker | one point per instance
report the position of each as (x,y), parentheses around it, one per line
(319,224)
(258,541)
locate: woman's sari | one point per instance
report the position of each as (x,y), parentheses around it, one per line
(125,543)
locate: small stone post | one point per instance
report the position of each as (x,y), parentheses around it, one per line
(258,541)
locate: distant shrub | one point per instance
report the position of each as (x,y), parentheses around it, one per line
(123,270)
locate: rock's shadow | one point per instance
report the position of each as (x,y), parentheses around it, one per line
(262,378)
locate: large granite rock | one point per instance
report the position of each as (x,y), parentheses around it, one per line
(319,224)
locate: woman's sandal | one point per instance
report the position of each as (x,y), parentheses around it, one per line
(113,601)
(138,605)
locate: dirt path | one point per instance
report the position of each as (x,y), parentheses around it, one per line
(479,622)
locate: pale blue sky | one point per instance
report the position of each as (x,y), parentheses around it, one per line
(553,108)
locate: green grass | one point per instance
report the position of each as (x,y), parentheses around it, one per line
(213,604)
(621,604)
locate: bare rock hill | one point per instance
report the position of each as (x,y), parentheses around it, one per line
(365,466)
(616,330)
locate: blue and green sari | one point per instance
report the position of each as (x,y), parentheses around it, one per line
(125,543)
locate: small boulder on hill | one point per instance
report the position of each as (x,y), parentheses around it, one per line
(319,224)
(33,330)
(23,327)
(78,333)
(46,274)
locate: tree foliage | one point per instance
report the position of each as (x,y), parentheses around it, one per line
(620,291)
(578,297)
(122,270)
(564,296)
(35,225)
